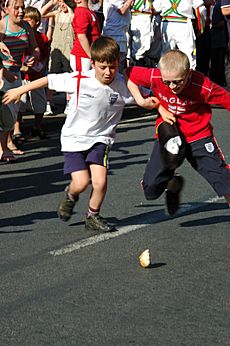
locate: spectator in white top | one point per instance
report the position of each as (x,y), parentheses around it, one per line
(117,17)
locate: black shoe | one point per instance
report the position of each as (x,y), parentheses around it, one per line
(97,223)
(65,208)
(173,194)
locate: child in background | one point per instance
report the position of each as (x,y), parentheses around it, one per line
(86,31)
(37,98)
(62,40)
(17,35)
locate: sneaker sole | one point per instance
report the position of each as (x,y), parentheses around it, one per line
(91,228)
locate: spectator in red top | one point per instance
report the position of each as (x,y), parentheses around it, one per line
(86,31)
(188,96)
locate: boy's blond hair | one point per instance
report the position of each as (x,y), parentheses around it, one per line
(174,60)
(33,13)
(105,49)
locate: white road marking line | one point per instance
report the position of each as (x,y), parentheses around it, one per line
(142,223)
(95,239)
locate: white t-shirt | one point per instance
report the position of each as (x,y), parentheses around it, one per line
(184,8)
(116,25)
(94,109)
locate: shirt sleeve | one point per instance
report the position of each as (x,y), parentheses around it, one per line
(117,3)
(225,3)
(81,22)
(197,3)
(219,96)
(63,82)
(140,76)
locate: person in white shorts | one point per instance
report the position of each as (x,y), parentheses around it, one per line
(177,27)
(145,34)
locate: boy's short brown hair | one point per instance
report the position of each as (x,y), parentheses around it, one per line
(174,60)
(105,49)
(33,13)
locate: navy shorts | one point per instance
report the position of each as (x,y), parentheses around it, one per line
(204,156)
(80,160)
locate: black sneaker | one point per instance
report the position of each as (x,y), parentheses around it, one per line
(97,223)
(173,194)
(65,208)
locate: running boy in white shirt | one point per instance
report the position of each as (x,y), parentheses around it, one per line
(96,105)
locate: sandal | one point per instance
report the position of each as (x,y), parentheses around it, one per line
(18,138)
(15,150)
(8,157)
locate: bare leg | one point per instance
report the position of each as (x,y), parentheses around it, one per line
(99,186)
(79,183)
(4,136)
(13,147)
(17,125)
(94,221)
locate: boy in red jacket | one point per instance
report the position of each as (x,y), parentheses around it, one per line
(188,95)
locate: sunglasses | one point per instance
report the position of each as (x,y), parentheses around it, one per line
(175,82)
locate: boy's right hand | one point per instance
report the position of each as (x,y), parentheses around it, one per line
(167,116)
(11,95)
(150,103)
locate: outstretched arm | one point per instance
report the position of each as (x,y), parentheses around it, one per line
(47,10)
(150,103)
(13,95)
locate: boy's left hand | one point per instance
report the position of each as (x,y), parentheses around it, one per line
(11,96)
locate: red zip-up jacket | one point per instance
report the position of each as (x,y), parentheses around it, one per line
(192,107)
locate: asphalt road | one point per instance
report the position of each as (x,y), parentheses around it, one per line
(62,285)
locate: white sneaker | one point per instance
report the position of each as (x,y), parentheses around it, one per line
(48,109)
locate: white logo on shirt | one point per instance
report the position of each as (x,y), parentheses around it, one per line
(209,147)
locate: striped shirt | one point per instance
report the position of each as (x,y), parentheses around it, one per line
(17,42)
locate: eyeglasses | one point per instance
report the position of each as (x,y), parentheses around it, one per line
(175,82)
